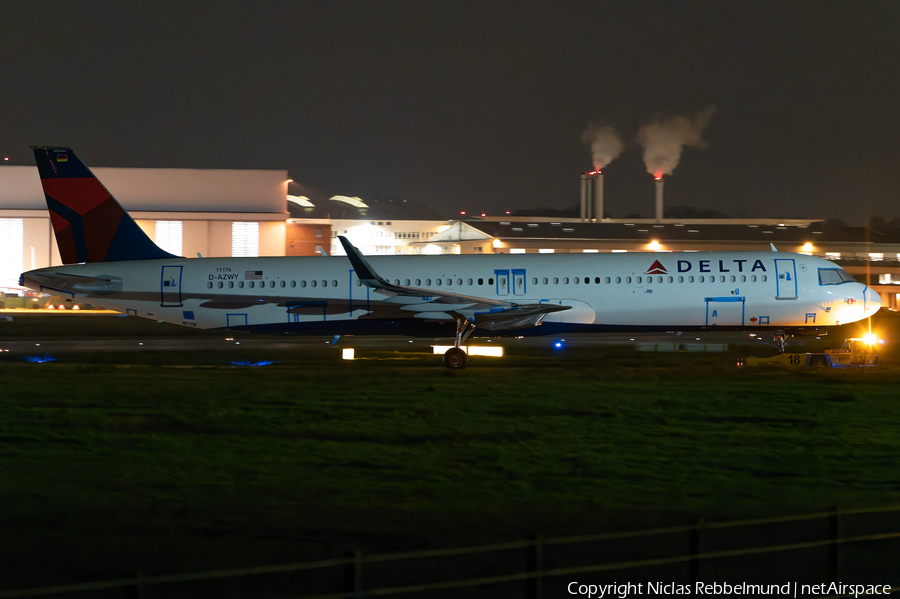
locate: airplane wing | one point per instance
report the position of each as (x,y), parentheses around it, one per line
(429,304)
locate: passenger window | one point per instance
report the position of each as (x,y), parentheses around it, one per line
(459,281)
(241,284)
(428,282)
(325,283)
(597,280)
(491,281)
(396,281)
(556,280)
(752,278)
(713,279)
(313,283)
(680,279)
(701,279)
(358,283)
(284,283)
(303,283)
(762,278)
(743,278)
(293,283)
(406,282)
(438,282)
(252,284)
(627,279)
(481,281)
(606,280)
(670,279)
(618,280)
(209,285)
(587,280)
(334,283)
(722,279)
(544,280)
(690,279)
(733,278)
(468,281)
(449,282)
(576,280)
(565,280)
(231,284)
(418,282)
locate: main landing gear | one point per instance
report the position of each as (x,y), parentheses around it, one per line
(455,358)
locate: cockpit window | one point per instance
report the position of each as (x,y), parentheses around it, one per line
(834,276)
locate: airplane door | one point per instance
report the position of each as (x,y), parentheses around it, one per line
(518,281)
(725,311)
(170,286)
(785,279)
(502,281)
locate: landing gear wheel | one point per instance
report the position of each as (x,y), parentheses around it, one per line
(455,358)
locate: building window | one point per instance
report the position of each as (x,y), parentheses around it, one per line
(545,251)
(12,250)
(244,240)
(168,236)
(876,256)
(319,233)
(516,251)
(833,255)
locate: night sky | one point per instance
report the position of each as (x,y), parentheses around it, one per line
(475,106)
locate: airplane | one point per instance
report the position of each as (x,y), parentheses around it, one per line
(111,263)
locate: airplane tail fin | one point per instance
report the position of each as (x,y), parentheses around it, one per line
(89,223)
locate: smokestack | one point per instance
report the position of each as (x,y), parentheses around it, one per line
(585,195)
(598,196)
(591,196)
(659,199)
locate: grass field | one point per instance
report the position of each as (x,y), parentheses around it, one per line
(113,463)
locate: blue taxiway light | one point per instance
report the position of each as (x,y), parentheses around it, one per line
(39,359)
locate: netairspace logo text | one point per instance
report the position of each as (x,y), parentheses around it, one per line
(790,589)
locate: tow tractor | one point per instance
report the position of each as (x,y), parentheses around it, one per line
(855,353)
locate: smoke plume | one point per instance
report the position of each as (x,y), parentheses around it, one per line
(605,144)
(664,140)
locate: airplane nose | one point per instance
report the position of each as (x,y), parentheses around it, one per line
(873,301)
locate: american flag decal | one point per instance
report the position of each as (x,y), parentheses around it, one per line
(251,275)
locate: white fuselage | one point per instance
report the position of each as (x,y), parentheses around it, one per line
(694,289)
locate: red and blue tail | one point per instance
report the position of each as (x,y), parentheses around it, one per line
(90,224)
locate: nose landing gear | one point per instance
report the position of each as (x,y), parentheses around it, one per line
(455,358)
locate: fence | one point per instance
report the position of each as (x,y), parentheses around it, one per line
(534,573)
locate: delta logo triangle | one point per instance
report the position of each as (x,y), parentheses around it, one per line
(657,269)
